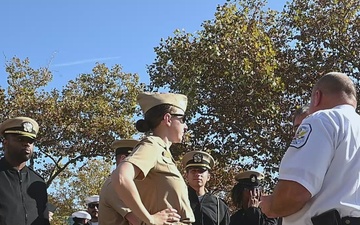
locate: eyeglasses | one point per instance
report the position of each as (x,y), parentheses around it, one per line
(93,205)
(182,119)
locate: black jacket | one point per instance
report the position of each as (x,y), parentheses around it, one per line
(251,216)
(206,210)
(23,197)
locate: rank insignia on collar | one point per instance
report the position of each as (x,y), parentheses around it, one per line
(167,154)
(28,127)
(198,158)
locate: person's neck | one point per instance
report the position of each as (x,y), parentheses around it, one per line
(163,134)
(16,165)
(200,191)
(245,206)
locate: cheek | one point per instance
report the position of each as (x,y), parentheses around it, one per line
(208,177)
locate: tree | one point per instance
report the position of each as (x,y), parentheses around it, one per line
(313,43)
(78,122)
(247,69)
(228,72)
(75,184)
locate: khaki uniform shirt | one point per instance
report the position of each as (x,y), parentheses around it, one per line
(160,184)
(111,209)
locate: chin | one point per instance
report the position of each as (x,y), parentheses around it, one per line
(176,140)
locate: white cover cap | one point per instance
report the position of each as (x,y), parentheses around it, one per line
(91,199)
(81,215)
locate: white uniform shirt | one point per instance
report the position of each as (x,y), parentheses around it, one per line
(324,157)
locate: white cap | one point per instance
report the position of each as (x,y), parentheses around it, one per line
(81,215)
(91,199)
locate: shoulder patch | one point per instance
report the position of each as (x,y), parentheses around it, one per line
(301,136)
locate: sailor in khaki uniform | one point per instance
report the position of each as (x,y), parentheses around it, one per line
(112,211)
(160,196)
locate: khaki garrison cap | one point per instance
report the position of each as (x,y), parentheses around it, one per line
(198,159)
(81,215)
(147,100)
(124,146)
(249,178)
(23,126)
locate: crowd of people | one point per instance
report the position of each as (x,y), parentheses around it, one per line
(318,178)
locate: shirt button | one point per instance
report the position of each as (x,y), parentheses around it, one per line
(347,221)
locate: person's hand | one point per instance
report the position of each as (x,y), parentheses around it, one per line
(265,205)
(166,216)
(254,198)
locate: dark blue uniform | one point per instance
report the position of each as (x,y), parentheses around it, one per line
(251,216)
(206,209)
(23,196)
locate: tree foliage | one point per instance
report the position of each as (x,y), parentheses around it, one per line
(228,72)
(319,37)
(77,122)
(74,185)
(247,69)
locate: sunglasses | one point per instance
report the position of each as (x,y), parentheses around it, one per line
(93,205)
(182,119)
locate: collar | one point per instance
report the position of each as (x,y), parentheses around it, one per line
(345,106)
(5,165)
(161,142)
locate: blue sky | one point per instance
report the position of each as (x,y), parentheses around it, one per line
(72,35)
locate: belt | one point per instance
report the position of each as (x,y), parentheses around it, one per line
(347,220)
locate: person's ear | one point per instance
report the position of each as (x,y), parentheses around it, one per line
(167,119)
(208,177)
(318,97)
(186,176)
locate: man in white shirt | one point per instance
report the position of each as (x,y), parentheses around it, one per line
(319,174)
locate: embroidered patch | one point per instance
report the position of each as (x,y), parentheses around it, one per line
(301,136)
